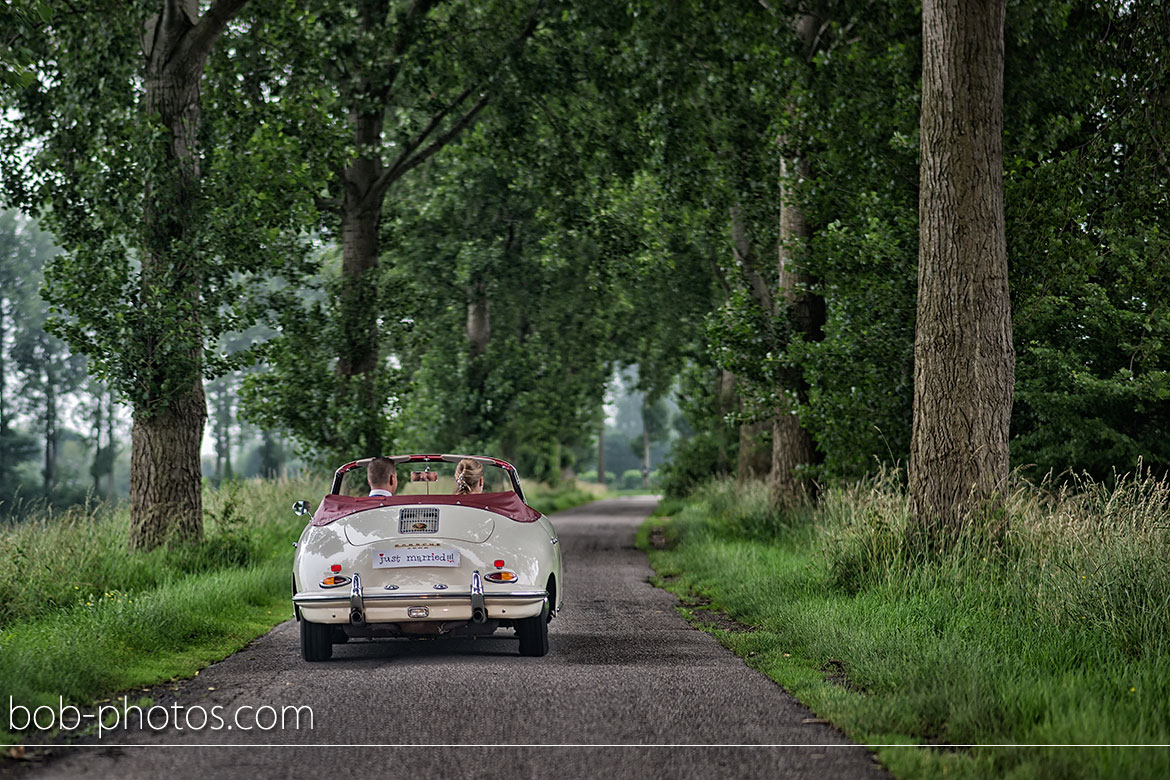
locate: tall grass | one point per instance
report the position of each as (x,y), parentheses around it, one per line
(1055,633)
(1076,553)
(75,557)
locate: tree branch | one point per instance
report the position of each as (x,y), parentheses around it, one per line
(402,41)
(198,42)
(392,171)
(742,250)
(464,122)
(720,276)
(404,161)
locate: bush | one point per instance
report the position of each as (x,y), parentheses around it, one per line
(695,461)
(631,479)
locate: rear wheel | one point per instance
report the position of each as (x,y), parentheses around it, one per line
(316,641)
(533,633)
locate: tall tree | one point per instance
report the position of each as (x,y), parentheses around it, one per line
(963,357)
(165,473)
(38,365)
(16,287)
(793,449)
(407,78)
(163,231)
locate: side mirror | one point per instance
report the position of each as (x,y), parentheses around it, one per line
(301,508)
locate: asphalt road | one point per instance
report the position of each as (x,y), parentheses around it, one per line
(627,690)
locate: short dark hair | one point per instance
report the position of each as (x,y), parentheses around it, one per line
(380,471)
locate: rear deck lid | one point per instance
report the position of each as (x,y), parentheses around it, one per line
(418,522)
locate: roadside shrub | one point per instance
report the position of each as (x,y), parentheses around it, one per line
(696,461)
(631,479)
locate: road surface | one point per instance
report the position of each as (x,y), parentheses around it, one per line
(627,684)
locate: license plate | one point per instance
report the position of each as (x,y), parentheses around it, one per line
(401,559)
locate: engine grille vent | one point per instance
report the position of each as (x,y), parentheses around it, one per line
(418,520)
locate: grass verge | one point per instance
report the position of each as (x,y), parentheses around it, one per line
(1059,635)
(82,617)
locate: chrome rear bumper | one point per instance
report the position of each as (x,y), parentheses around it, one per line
(361,607)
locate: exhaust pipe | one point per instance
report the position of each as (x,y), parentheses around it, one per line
(478,610)
(357,611)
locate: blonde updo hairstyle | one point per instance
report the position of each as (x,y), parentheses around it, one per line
(468,475)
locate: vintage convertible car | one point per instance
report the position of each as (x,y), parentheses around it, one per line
(425,562)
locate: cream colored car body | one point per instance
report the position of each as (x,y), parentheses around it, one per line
(480,537)
(391,590)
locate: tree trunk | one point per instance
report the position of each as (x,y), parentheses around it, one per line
(754,458)
(793,449)
(726,401)
(228,473)
(361,217)
(270,462)
(601,450)
(216,433)
(97,469)
(3,386)
(554,463)
(165,479)
(165,475)
(111,448)
(964,363)
(645,445)
(479,319)
(50,472)
(221,402)
(476,424)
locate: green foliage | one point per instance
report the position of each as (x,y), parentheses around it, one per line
(20,20)
(587,211)
(1086,198)
(94,179)
(299,390)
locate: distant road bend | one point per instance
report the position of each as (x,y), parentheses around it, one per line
(624,669)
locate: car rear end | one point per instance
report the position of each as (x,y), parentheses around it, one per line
(424,569)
